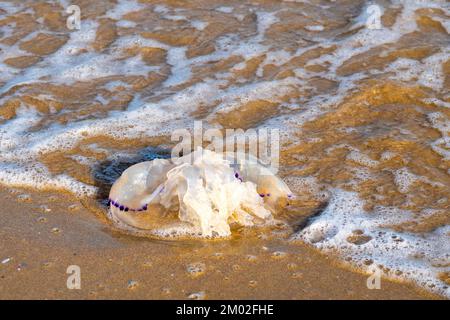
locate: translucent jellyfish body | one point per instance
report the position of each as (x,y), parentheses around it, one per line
(205,191)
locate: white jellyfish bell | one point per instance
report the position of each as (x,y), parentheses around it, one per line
(208,192)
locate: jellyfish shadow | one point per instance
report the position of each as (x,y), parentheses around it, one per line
(107,172)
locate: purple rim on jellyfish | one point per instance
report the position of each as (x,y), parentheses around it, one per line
(125,208)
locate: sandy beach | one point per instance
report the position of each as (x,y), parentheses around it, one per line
(42,244)
(358,93)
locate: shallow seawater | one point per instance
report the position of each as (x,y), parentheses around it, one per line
(363,112)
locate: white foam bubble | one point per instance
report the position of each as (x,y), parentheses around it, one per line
(361,158)
(72,62)
(271,91)
(160,9)
(407,255)
(174,17)
(11,8)
(123,7)
(126,24)
(13,133)
(387,155)
(437,102)
(225,9)
(36,176)
(404,179)
(199,25)
(315,28)
(427,72)
(264,21)
(440,122)
(444,22)
(181,70)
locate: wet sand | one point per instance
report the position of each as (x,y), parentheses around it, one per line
(42,234)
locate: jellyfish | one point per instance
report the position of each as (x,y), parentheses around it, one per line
(210,191)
